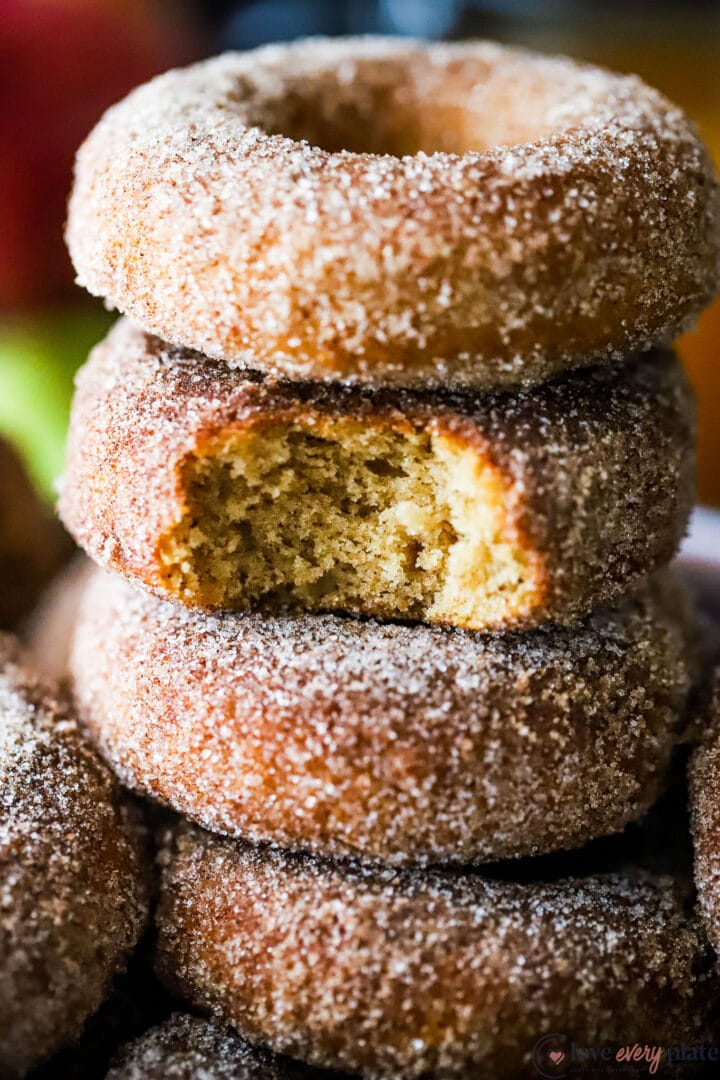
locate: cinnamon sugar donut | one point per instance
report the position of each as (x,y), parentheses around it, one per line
(223,489)
(403,744)
(389,973)
(47,634)
(386,211)
(185,1048)
(33,546)
(705,804)
(73,887)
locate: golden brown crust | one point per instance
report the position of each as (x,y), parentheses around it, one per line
(569,216)
(33,546)
(403,744)
(73,880)
(597,467)
(392,974)
(705,806)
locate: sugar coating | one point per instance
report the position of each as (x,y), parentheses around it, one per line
(517,214)
(389,973)
(186,1048)
(597,467)
(705,807)
(403,744)
(73,882)
(47,634)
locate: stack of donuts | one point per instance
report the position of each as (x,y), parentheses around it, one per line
(386,462)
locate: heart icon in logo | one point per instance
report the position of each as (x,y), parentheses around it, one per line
(556,1056)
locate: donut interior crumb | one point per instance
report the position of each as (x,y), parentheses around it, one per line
(355,517)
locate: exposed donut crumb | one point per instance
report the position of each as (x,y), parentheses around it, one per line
(226,489)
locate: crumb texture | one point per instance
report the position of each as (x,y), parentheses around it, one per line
(395,974)
(339,515)
(73,890)
(385,742)
(393,211)
(224,488)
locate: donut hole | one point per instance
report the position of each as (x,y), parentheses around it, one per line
(386,108)
(351,517)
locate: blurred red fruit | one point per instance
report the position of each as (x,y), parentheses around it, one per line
(62,62)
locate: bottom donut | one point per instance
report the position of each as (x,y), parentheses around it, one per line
(186,1048)
(391,973)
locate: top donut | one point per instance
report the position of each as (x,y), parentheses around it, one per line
(384,211)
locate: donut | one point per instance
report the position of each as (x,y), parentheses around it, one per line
(390,973)
(73,878)
(33,547)
(136,1001)
(658,843)
(705,807)
(47,634)
(223,489)
(383,742)
(386,211)
(186,1048)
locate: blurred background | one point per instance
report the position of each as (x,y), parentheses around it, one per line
(62,62)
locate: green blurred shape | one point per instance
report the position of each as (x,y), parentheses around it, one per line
(39,355)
